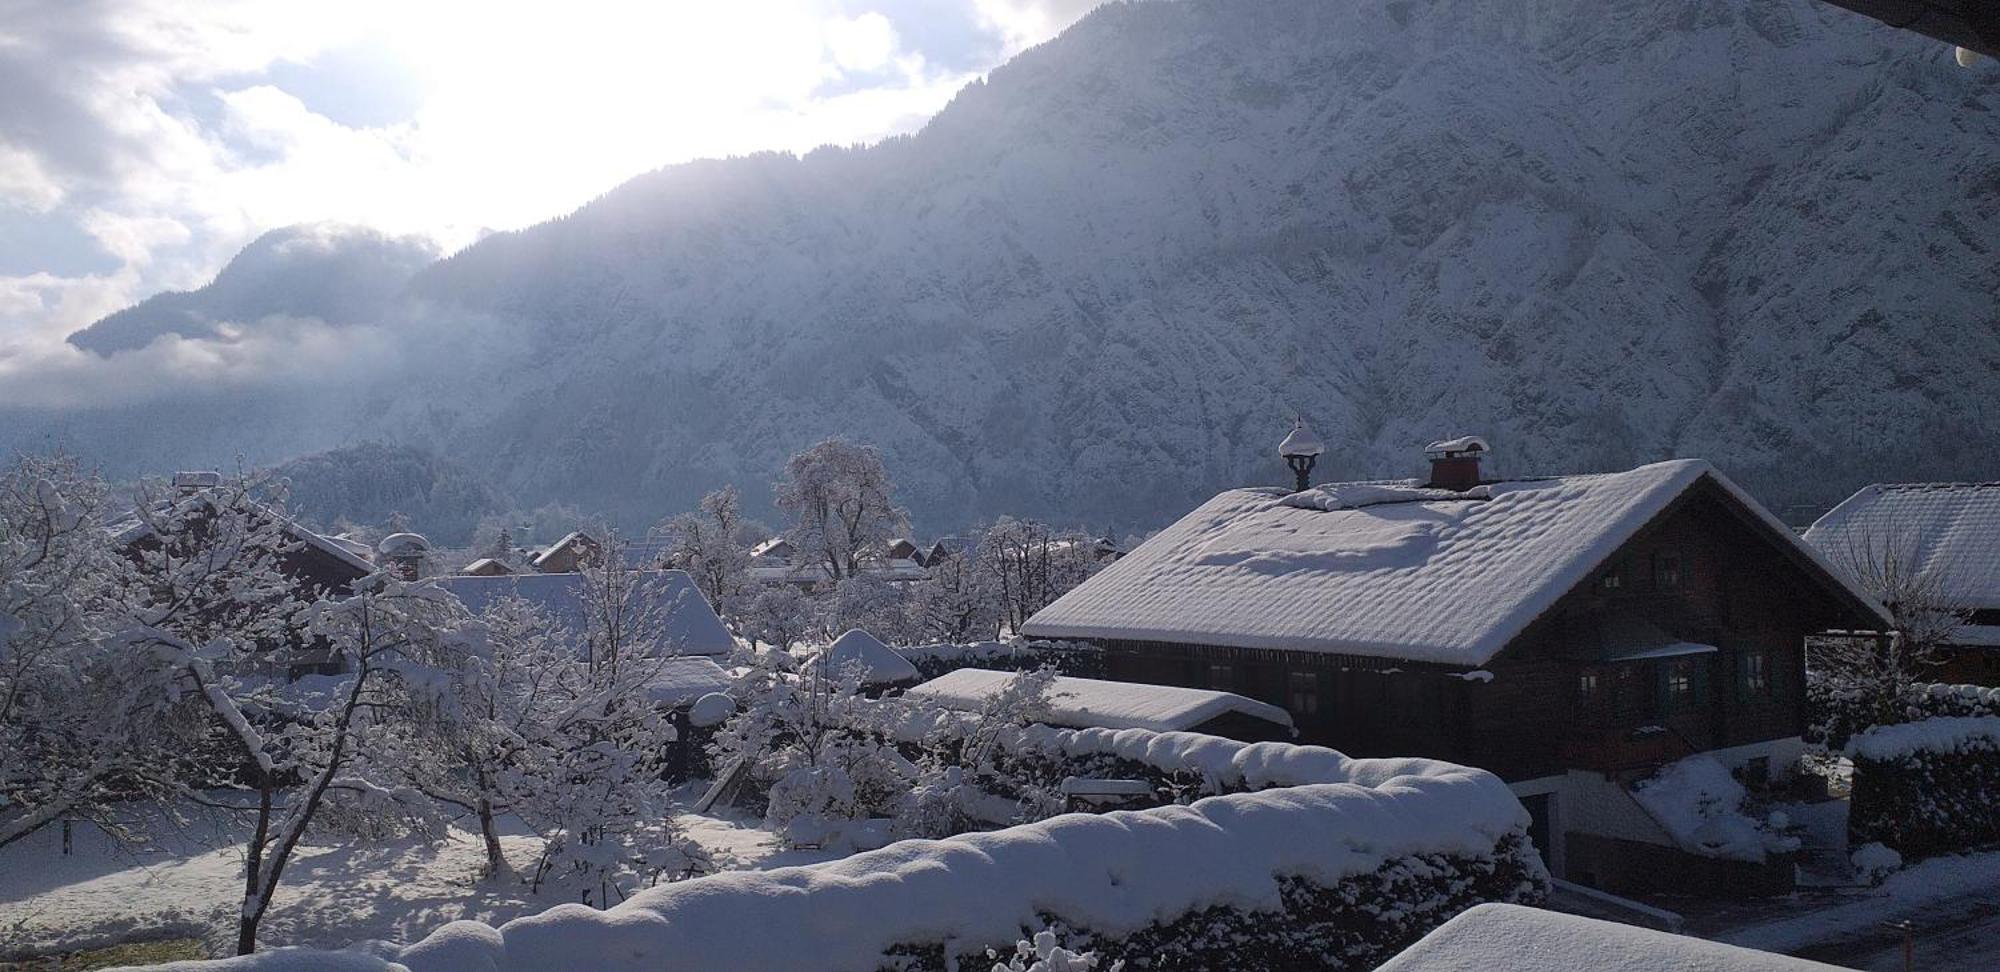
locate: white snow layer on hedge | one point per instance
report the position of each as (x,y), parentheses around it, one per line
(1946,734)
(1701,806)
(1092,702)
(1113,873)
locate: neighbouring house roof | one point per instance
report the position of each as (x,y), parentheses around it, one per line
(1092,703)
(1950,529)
(690,626)
(680,681)
(1505,937)
(778,547)
(572,546)
(486,567)
(1389,569)
(880,665)
(132,529)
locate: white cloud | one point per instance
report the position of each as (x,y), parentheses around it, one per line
(156,131)
(1025,23)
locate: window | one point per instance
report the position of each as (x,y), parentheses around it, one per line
(1303,693)
(1678,683)
(1754,673)
(1613,579)
(1666,572)
(1588,688)
(1222,677)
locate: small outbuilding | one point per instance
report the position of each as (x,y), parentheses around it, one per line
(881,668)
(1093,703)
(686,624)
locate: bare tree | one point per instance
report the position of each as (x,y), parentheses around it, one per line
(1867,677)
(1028,565)
(841,503)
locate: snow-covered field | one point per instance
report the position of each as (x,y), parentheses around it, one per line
(332,895)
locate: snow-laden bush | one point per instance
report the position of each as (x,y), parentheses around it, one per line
(1045,953)
(1839,711)
(1927,787)
(1702,806)
(1873,862)
(1067,657)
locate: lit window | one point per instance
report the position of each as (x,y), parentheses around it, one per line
(1667,571)
(1756,677)
(1613,579)
(1680,683)
(1587,686)
(1304,693)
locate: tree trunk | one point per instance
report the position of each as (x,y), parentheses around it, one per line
(252,911)
(495,861)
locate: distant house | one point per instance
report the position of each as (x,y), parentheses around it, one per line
(902,548)
(1512,938)
(1091,703)
(878,665)
(688,625)
(946,547)
(1571,634)
(570,554)
(486,567)
(319,564)
(1949,531)
(316,565)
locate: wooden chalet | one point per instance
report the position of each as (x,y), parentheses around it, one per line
(570,554)
(1571,634)
(1946,531)
(317,565)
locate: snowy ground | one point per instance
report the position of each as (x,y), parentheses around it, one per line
(332,895)
(1953,904)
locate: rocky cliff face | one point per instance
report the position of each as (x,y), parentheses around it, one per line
(1098,286)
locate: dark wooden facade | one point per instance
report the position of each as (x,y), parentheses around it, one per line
(1706,572)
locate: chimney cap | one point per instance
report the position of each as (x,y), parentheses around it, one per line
(197,479)
(1301,442)
(1464,445)
(403,544)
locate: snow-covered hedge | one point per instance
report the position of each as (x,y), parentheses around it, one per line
(1068,657)
(1335,875)
(1927,787)
(1701,805)
(1838,713)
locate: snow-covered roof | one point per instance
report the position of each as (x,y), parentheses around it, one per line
(132,528)
(1491,937)
(1952,529)
(1387,570)
(574,539)
(1301,441)
(1464,443)
(680,681)
(880,665)
(690,626)
(1091,703)
(403,543)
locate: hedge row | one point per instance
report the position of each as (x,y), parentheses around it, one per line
(1927,787)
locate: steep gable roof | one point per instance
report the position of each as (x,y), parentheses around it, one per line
(1951,529)
(133,528)
(689,625)
(1387,569)
(880,665)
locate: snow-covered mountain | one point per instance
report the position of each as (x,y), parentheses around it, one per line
(1099,285)
(338,275)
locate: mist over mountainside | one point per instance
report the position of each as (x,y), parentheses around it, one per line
(1097,287)
(338,275)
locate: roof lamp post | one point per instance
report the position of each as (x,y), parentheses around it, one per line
(1300,450)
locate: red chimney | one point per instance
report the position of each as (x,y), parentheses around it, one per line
(1455,462)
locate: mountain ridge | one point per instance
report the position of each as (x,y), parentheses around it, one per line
(1097,283)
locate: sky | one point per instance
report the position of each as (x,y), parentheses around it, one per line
(144,142)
